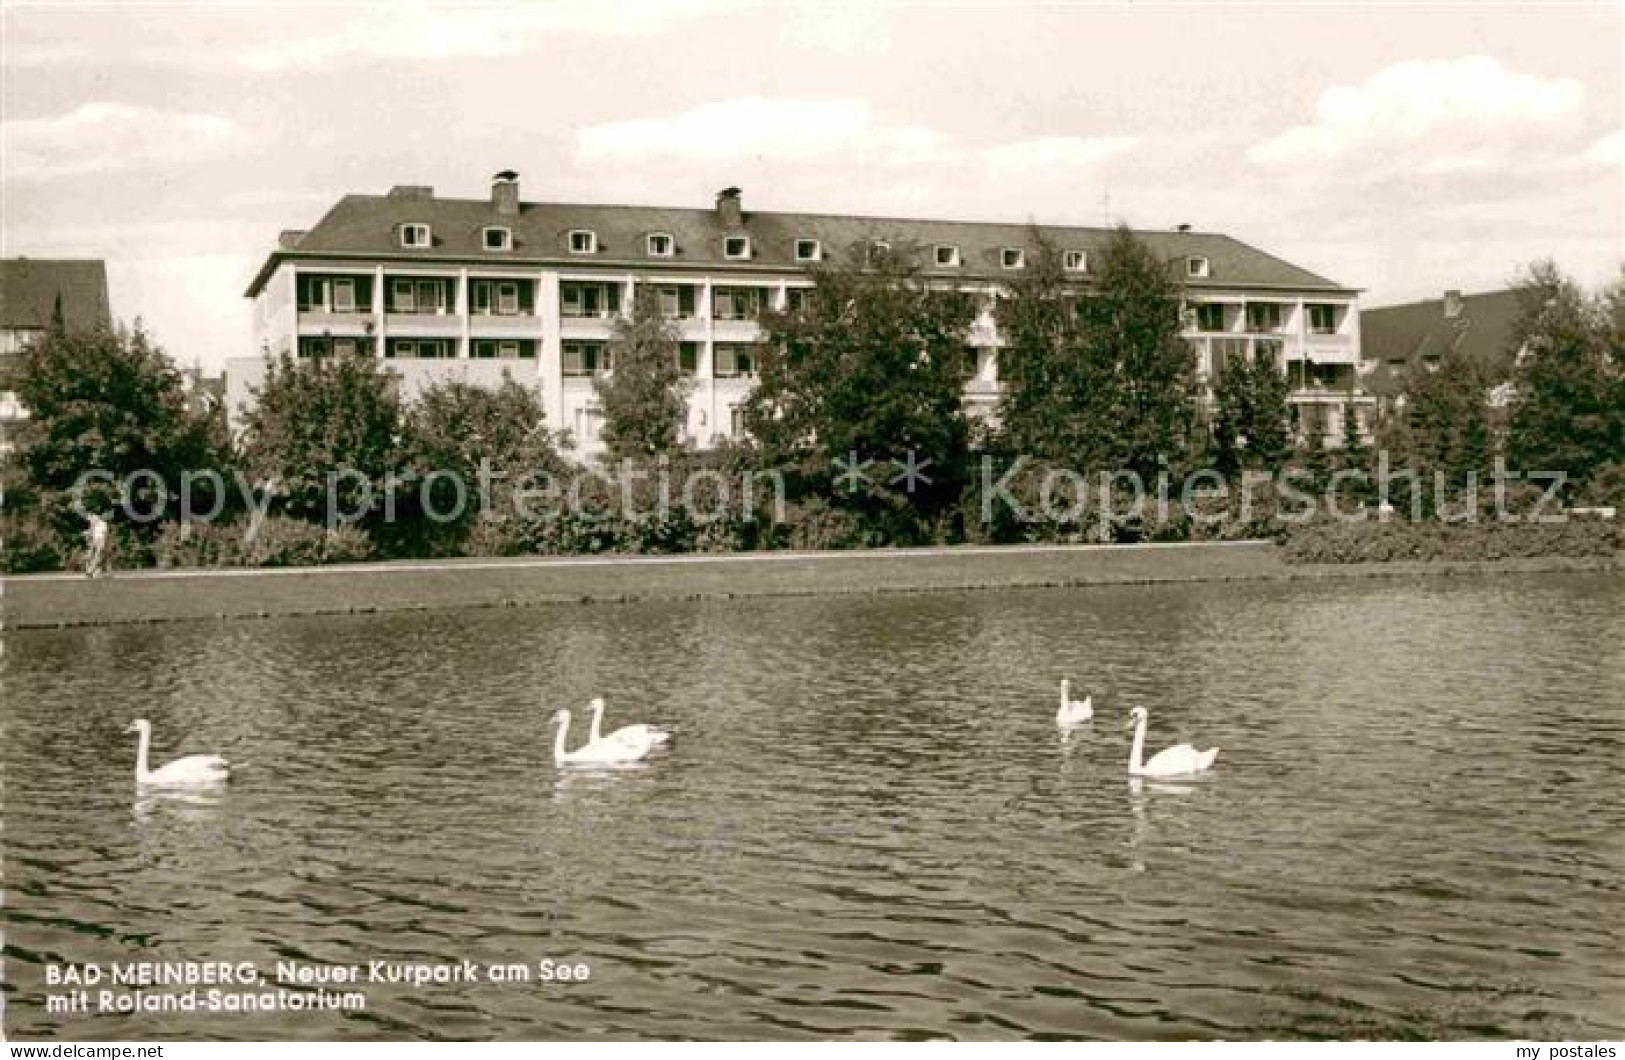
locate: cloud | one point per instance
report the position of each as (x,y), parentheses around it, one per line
(411,31)
(1434,116)
(824,130)
(1607,150)
(112,137)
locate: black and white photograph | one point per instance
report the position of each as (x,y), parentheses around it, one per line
(704,520)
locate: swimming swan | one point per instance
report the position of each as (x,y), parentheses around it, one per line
(1179,760)
(631,734)
(1073,711)
(600,752)
(193,769)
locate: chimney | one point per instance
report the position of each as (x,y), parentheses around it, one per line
(505,192)
(411,191)
(1452,305)
(1182,228)
(290,238)
(729,211)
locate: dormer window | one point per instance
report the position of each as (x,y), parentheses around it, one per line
(809,250)
(947,256)
(1013,258)
(1075,261)
(1198,268)
(660,244)
(736,248)
(879,251)
(498,238)
(583,241)
(416,236)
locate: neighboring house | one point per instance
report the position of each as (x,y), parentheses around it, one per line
(475,288)
(34,293)
(1401,339)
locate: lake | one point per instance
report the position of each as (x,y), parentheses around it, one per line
(866,825)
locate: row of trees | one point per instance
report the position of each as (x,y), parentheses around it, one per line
(858,412)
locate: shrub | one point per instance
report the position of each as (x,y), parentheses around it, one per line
(1372,542)
(279,542)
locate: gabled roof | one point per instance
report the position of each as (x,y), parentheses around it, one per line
(365,226)
(30,288)
(1415,331)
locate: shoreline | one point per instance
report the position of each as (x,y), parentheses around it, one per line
(68,600)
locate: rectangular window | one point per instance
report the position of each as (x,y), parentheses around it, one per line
(688,357)
(1323,319)
(498,239)
(1263,316)
(422,349)
(1210,317)
(734,361)
(736,421)
(808,250)
(736,303)
(797,299)
(508,298)
(1013,257)
(589,299)
(1075,261)
(1197,268)
(344,295)
(947,256)
(676,301)
(431,296)
(506,349)
(403,296)
(736,248)
(660,245)
(583,242)
(479,296)
(584,358)
(415,236)
(317,294)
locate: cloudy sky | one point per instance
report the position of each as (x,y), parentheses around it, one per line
(1403,149)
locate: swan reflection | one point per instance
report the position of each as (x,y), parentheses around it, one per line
(156,803)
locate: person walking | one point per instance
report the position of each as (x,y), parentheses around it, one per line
(96,561)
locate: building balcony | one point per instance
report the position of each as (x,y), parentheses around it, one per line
(499,324)
(1330,349)
(736,330)
(428,325)
(348,325)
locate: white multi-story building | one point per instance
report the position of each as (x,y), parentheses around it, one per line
(482,288)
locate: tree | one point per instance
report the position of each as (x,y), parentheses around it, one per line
(645,395)
(471,447)
(1447,416)
(327,422)
(111,402)
(1099,377)
(1251,414)
(1569,411)
(868,376)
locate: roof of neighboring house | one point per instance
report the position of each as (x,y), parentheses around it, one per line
(365,226)
(30,288)
(1400,334)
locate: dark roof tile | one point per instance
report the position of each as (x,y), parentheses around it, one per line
(365,226)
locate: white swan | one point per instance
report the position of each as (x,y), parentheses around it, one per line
(191,770)
(631,734)
(602,752)
(1179,760)
(1073,711)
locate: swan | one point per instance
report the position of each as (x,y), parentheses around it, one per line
(601,752)
(631,734)
(1073,711)
(191,770)
(1179,760)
